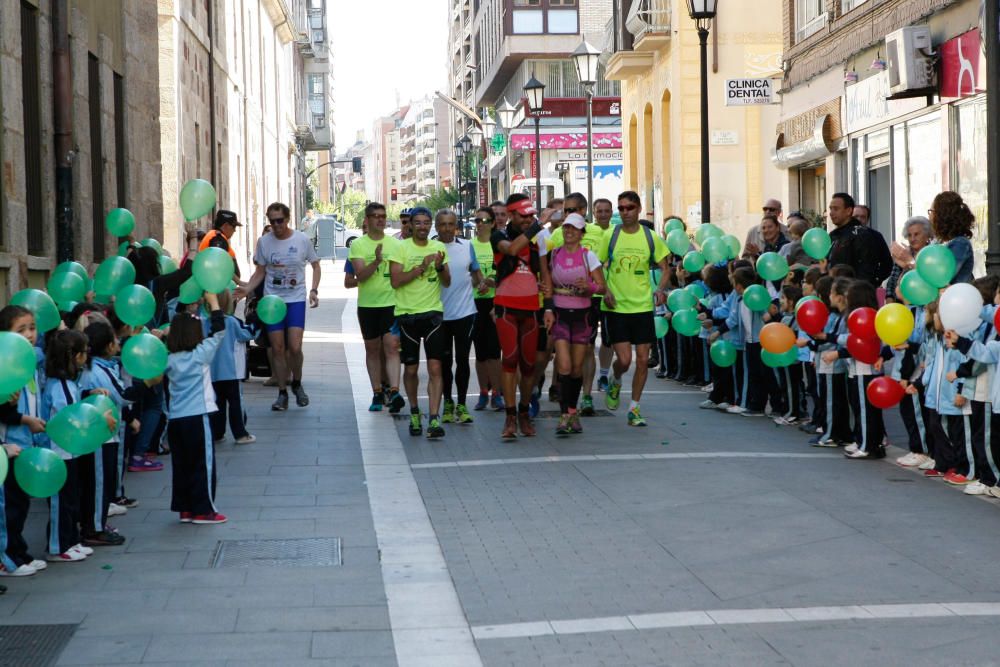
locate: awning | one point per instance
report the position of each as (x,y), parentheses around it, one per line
(524,140)
(815,147)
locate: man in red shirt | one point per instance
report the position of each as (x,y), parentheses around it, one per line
(516,306)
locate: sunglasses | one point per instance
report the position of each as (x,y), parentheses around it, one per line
(570,209)
(768,209)
(626,209)
(483,220)
(276,221)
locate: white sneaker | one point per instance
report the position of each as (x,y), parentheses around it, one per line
(708,387)
(39,565)
(783,421)
(21,571)
(910,459)
(114,509)
(856,454)
(994,491)
(86,551)
(928,464)
(69,556)
(249,438)
(707,405)
(976,488)
(851,448)
(722,406)
(735,410)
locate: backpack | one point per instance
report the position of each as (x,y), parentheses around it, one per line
(649,239)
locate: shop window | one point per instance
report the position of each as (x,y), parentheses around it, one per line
(970,172)
(810,17)
(916,156)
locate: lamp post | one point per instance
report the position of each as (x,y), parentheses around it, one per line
(534,90)
(506,112)
(585,58)
(459,153)
(476,137)
(467,153)
(489,129)
(702,12)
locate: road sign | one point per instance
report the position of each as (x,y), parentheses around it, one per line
(748,92)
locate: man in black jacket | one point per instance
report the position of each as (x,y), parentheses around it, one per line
(862,248)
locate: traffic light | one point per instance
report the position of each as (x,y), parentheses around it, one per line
(356,165)
(393,193)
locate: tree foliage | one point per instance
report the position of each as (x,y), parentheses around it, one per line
(438,199)
(353,203)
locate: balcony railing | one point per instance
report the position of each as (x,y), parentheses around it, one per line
(648,16)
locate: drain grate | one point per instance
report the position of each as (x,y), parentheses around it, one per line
(306,552)
(33,645)
(542,414)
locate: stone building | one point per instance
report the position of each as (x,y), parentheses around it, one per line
(113,78)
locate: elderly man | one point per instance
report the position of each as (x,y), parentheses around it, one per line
(917,231)
(753,246)
(863,214)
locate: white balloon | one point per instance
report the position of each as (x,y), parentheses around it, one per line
(959,307)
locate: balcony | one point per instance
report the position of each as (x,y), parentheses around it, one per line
(649,23)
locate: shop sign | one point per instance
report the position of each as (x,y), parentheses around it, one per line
(572,107)
(580,155)
(962,66)
(865,103)
(748,92)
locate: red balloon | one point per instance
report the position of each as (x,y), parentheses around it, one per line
(996,320)
(884,392)
(861,322)
(812,317)
(865,350)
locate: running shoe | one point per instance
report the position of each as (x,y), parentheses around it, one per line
(415,426)
(447,413)
(957,479)
(708,404)
(509,428)
(736,409)
(911,459)
(820,441)
(484,400)
(524,424)
(722,407)
(434,429)
(928,464)
(587,406)
(574,423)
(856,454)
(281,404)
(376,405)
(554,393)
(851,447)
(752,413)
(301,400)
(533,406)
(614,391)
(396,403)
(562,428)
(462,415)
(661,373)
(976,488)
(496,402)
(602,383)
(634,418)
(208,519)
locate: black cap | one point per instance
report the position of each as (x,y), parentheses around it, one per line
(224,216)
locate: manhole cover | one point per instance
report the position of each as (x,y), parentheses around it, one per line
(306,552)
(33,645)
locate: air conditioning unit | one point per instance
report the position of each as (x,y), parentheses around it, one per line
(911,61)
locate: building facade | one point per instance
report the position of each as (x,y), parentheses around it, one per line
(424,148)
(245,93)
(111,95)
(653,49)
(884,100)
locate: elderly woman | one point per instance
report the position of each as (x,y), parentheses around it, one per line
(952,222)
(917,231)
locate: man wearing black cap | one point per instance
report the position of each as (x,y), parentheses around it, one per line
(222,230)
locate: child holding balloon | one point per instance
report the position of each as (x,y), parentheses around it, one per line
(906,369)
(228,371)
(832,371)
(191,401)
(791,375)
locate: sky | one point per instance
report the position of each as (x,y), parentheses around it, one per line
(383,48)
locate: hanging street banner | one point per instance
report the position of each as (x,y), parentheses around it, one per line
(748,92)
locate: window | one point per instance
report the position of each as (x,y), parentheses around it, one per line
(848,5)
(96,154)
(809,18)
(562,3)
(527,3)
(31,107)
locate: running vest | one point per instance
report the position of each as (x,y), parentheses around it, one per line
(517,279)
(205,242)
(567,268)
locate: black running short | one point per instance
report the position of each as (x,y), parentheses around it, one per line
(425,327)
(375,322)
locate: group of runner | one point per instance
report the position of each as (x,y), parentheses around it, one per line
(530,285)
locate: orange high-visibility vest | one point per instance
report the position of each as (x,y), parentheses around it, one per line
(205,242)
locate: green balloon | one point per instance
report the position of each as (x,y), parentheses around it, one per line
(723,353)
(707,231)
(213,269)
(662,326)
(673,224)
(113,274)
(42,305)
(135,305)
(144,356)
(167,265)
(696,289)
(66,286)
(40,472)
(190,291)
(104,404)
(916,290)
(678,242)
(715,250)
(677,300)
(693,261)
(772,266)
(936,265)
(757,298)
(17,358)
(197,198)
(4,468)
(79,428)
(66,306)
(271,309)
(74,267)
(120,222)
(152,243)
(686,322)
(103,299)
(733,244)
(816,242)
(780,360)
(123,248)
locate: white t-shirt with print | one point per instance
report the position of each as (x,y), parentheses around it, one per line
(284,261)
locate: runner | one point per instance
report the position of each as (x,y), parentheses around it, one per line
(418,270)
(376,300)
(629,251)
(516,258)
(280,258)
(574,275)
(404,226)
(459,315)
(603,210)
(484,334)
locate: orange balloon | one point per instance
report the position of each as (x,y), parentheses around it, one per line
(777,338)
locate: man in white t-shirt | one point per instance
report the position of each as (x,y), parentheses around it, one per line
(281,258)
(459,315)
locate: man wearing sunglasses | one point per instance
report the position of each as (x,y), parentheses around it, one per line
(280,258)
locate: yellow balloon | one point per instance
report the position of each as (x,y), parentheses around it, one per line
(894,323)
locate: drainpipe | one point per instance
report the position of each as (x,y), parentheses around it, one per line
(211,93)
(62,116)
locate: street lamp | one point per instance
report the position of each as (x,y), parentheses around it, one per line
(459,153)
(534,90)
(585,58)
(476,136)
(703,12)
(489,129)
(506,113)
